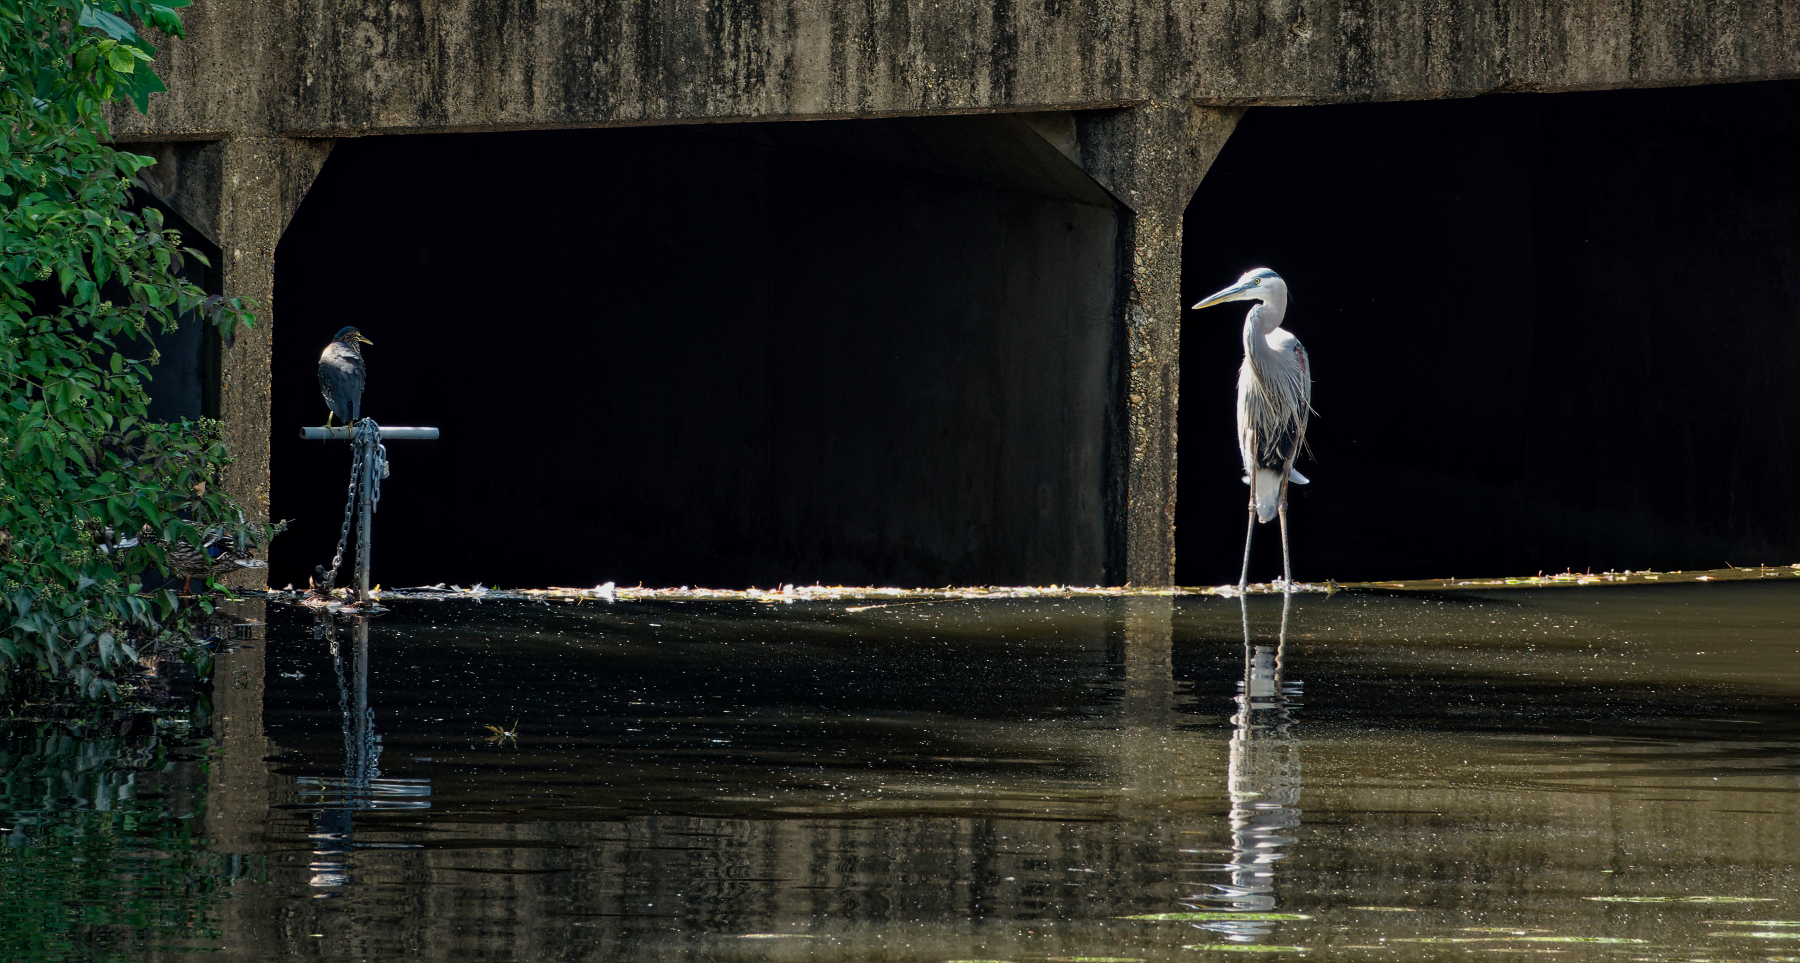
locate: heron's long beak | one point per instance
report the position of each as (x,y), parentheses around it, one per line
(1233,293)
(364,340)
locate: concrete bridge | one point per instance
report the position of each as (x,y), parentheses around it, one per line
(935,339)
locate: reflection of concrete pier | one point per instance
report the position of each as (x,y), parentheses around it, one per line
(241,787)
(1141,646)
(239,784)
(1156,766)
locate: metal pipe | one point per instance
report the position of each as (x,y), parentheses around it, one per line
(342,433)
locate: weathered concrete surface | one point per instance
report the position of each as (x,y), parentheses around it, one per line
(339,68)
(241,193)
(271,83)
(1151,158)
(188,176)
(265,178)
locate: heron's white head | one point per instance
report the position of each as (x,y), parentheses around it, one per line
(1257,284)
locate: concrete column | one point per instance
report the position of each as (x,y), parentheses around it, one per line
(261,183)
(1151,158)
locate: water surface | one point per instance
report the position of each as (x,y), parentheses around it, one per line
(1605,773)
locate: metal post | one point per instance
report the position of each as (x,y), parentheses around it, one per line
(364,472)
(365,719)
(366,514)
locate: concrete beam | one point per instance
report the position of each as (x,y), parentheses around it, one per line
(1152,159)
(327,68)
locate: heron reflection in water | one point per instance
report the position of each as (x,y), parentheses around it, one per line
(1264,782)
(1273,401)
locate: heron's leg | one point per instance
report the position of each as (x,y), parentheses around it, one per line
(1281,639)
(1249,530)
(1287,573)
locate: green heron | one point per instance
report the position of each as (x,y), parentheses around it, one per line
(341,376)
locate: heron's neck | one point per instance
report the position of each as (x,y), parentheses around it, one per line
(1265,316)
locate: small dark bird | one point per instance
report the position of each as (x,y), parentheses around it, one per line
(341,376)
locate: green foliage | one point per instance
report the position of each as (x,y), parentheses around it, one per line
(81,278)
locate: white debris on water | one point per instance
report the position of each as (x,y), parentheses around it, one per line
(879,597)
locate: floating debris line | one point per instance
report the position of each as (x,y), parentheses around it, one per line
(880,596)
(1541,580)
(608,592)
(343,600)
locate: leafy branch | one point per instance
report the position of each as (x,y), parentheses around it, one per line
(94,492)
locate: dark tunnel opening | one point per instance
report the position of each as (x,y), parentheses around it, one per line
(184,383)
(729,355)
(1549,332)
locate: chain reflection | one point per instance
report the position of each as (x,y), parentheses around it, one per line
(333,801)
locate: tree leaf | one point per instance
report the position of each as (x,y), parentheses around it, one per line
(113,26)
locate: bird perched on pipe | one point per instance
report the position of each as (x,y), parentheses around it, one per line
(1273,401)
(342,375)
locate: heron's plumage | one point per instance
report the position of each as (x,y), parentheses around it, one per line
(1274,399)
(342,375)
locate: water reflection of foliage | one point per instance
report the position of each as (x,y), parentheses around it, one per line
(100,858)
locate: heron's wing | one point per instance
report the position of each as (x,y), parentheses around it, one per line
(1274,399)
(359,376)
(341,377)
(1304,377)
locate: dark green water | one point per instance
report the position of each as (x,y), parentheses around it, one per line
(1604,773)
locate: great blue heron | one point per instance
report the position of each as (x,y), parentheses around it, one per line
(341,376)
(1274,397)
